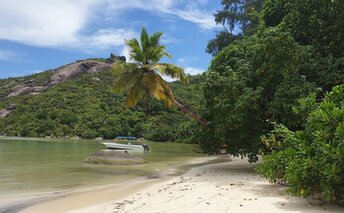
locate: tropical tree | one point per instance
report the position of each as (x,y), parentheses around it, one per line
(143,75)
(239,18)
(249,84)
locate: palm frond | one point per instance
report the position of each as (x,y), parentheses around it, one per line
(170,70)
(125,74)
(156,53)
(136,93)
(148,50)
(124,67)
(157,87)
(135,50)
(145,40)
(123,81)
(155,38)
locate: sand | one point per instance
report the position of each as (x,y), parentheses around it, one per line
(230,186)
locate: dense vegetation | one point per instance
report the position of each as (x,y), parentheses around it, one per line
(310,161)
(257,85)
(89,108)
(257,79)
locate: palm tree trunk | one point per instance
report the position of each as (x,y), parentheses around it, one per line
(193,115)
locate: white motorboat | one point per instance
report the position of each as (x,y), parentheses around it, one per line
(129,146)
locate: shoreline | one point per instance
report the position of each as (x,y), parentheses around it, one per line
(230,186)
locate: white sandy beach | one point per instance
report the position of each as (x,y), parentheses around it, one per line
(221,187)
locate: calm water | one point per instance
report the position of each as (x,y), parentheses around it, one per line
(38,165)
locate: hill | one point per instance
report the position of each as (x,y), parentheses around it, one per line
(77,100)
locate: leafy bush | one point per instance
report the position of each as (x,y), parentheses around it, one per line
(310,162)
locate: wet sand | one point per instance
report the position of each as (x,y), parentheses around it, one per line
(230,186)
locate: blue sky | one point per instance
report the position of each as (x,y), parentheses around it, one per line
(37,35)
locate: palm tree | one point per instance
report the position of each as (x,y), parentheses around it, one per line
(142,76)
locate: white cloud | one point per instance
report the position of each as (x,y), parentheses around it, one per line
(186,10)
(56,23)
(43,23)
(149,5)
(64,23)
(203,18)
(194,70)
(105,38)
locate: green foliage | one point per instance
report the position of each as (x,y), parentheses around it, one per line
(311,161)
(249,83)
(294,48)
(318,26)
(88,108)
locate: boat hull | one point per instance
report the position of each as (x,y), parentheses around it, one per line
(113,145)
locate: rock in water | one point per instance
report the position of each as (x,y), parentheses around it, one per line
(114,157)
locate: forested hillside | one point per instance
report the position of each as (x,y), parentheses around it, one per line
(86,106)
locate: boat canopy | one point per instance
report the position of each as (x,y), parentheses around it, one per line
(126,138)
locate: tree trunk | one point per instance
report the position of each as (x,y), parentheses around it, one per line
(193,115)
